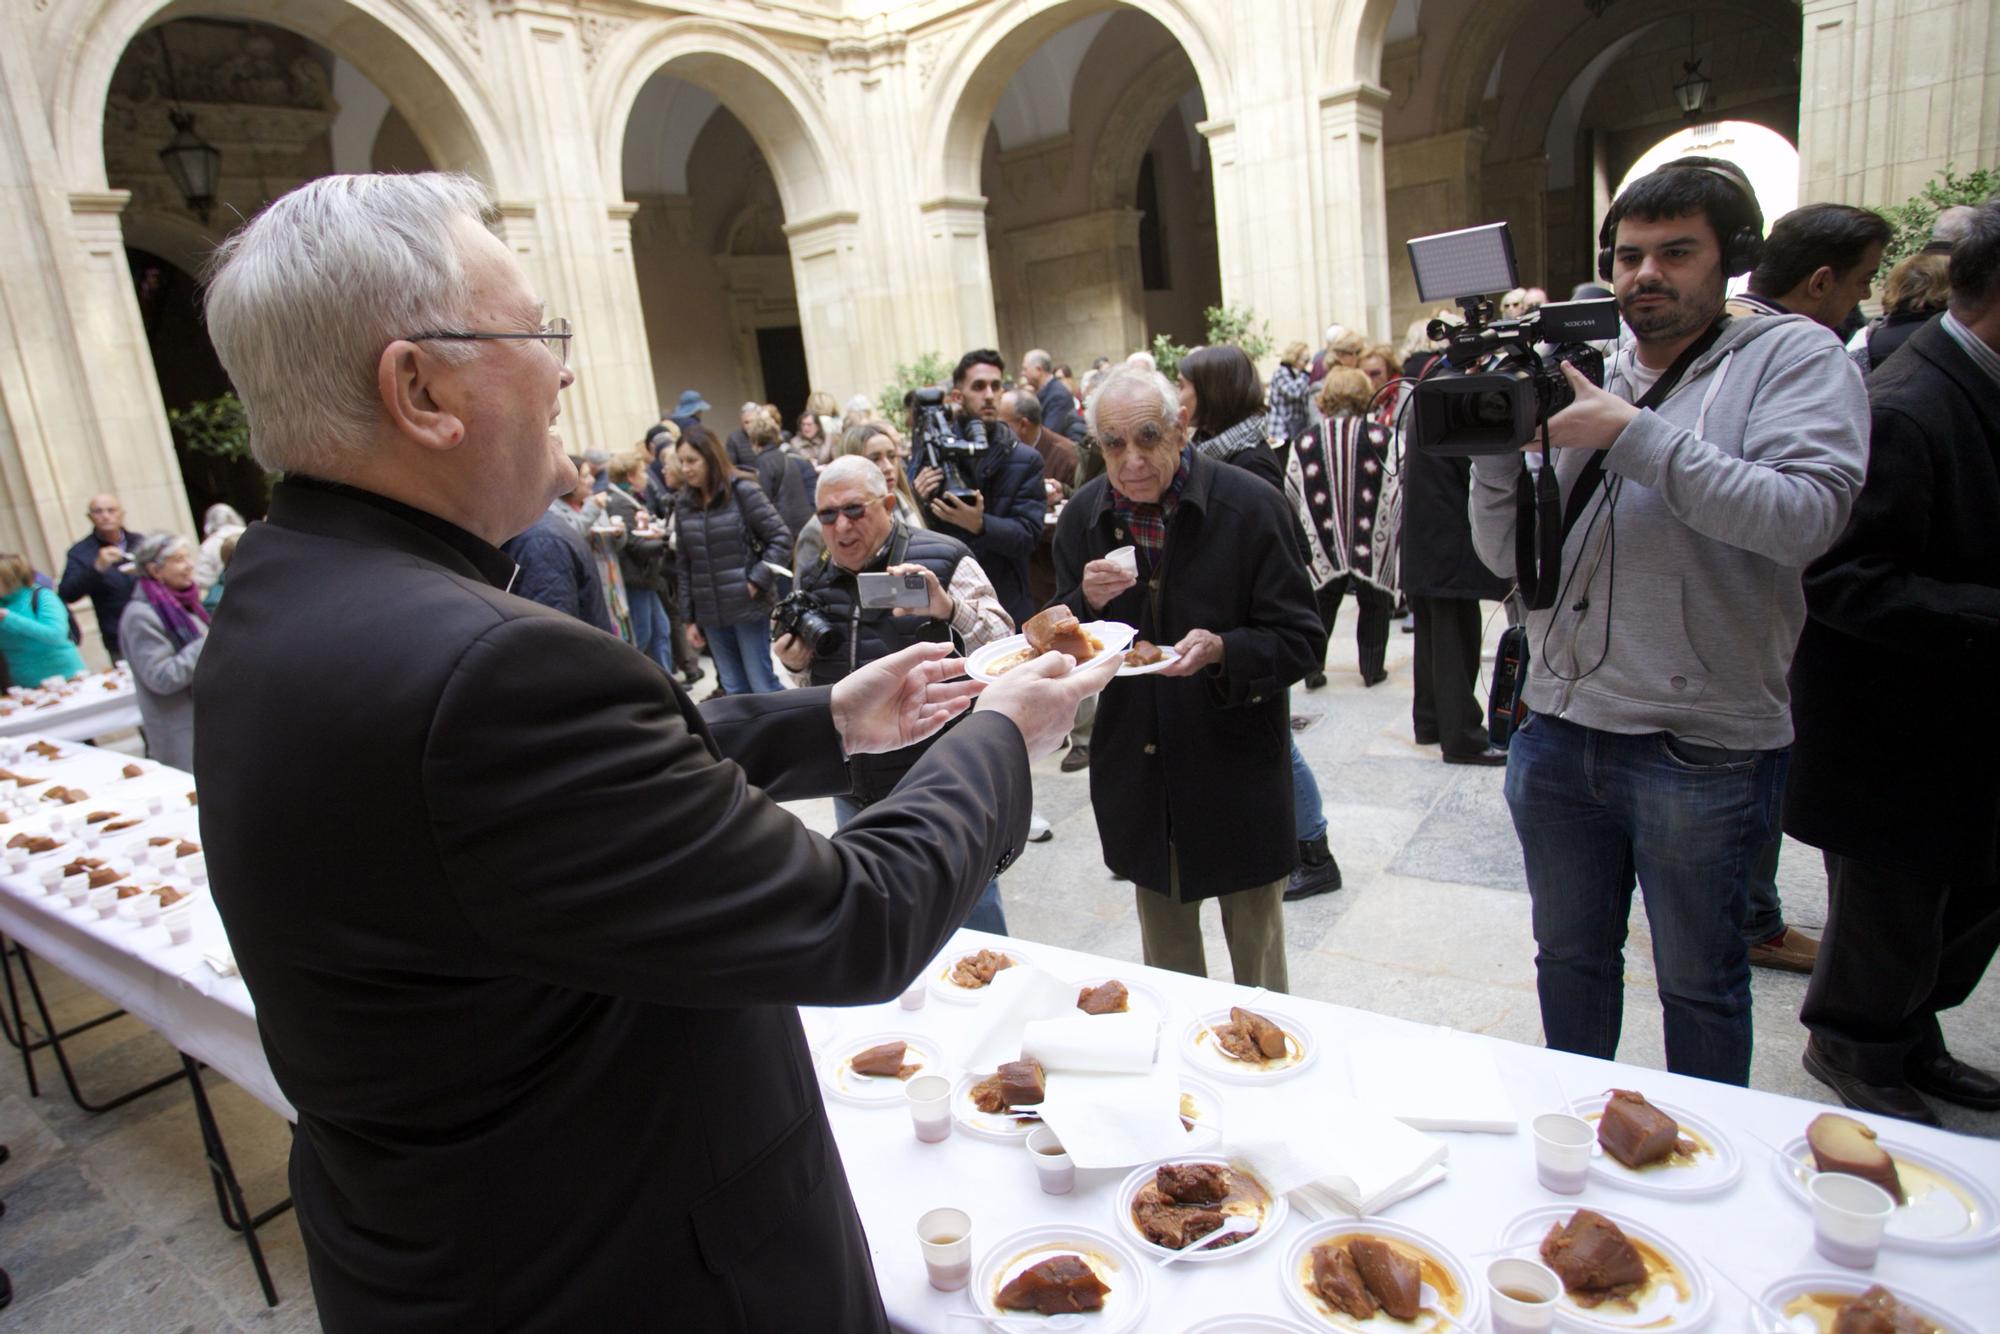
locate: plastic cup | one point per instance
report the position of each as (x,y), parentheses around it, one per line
(179,923)
(52,878)
(913,999)
(148,911)
(155,805)
(1562,1152)
(1125,558)
(93,835)
(1052,1165)
(17,859)
(1848,1217)
(105,900)
(161,857)
(946,1236)
(77,887)
(930,1107)
(1523,1295)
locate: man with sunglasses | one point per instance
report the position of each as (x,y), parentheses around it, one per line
(857,516)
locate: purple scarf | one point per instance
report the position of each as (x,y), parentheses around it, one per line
(181,612)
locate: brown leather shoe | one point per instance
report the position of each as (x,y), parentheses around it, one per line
(1793,952)
(1078,758)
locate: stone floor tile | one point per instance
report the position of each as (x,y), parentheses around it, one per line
(144,1287)
(59,1226)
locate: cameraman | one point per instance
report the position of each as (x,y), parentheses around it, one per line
(1721,458)
(857,516)
(1002,521)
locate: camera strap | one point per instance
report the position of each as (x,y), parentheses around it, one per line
(1542,523)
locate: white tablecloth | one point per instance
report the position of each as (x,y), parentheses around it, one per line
(89,709)
(1754,1230)
(168,987)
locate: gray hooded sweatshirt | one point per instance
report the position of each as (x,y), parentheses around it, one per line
(1680,602)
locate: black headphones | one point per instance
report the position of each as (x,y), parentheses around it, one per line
(1741,249)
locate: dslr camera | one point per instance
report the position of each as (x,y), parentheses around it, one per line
(1496,387)
(804,615)
(941,446)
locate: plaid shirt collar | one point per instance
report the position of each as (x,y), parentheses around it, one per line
(1147,523)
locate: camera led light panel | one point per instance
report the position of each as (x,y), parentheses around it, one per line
(1470,262)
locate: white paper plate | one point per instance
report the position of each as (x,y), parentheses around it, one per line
(1273,1214)
(1114,635)
(1199,1047)
(1168,657)
(1207,1116)
(1142,999)
(1660,1309)
(996,1126)
(945,989)
(1297,1278)
(1952,1214)
(1244,1324)
(1117,1265)
(841,1082)
(1715,1168)
(1853,1285)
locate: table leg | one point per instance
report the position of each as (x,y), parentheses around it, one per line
(236,1215)
(55,1037)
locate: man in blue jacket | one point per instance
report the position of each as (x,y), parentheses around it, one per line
(1002,523)
(93,569)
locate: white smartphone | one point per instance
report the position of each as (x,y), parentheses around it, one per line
(892,590)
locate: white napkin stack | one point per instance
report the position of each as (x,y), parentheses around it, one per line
(1354,1159)
(1015,997)
(1116,1120)
(1093,1044)
(1447,1081)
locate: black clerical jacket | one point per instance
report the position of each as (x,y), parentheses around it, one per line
(525,948)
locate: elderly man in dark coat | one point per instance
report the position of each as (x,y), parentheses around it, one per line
(545,1079)
(1892,696)
(1190,773)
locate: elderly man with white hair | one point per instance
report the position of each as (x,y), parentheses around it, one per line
(865,535)
(1190,767)
(545,1079)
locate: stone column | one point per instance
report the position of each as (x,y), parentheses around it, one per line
(1891,92)
(1352,222)
(576,252)
(827,269)
(80,408)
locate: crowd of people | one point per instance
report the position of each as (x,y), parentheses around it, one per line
(1806,619)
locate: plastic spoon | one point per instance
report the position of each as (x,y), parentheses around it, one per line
(1231,1226)
(1779,1322)
(1433,1302)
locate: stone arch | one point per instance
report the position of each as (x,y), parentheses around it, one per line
(403,47)
(1114,175)
(760,85)
(1352,50)
(970,78)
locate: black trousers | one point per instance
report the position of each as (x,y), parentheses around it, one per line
(1447,710)
(1371,631)
(1898,948)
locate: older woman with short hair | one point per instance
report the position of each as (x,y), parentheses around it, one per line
(219,523)
(162,634)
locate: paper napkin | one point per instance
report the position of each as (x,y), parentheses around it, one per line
(1100,1044)
(1358,1157)
(1447,1081)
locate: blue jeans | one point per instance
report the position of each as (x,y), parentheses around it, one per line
(1307,817)
(1595,812)
(743,657)
(652,630)
(985,915)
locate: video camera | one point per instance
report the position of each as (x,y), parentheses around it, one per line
(940,446)
(1461,410)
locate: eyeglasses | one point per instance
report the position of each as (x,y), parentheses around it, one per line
(554,335)
(852,513)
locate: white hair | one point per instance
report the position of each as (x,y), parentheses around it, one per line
(1333,331)
(856,468)
(220,516)
(1130,381)
(303,298)
(1143,359)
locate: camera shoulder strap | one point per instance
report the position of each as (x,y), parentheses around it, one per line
(1542,523)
